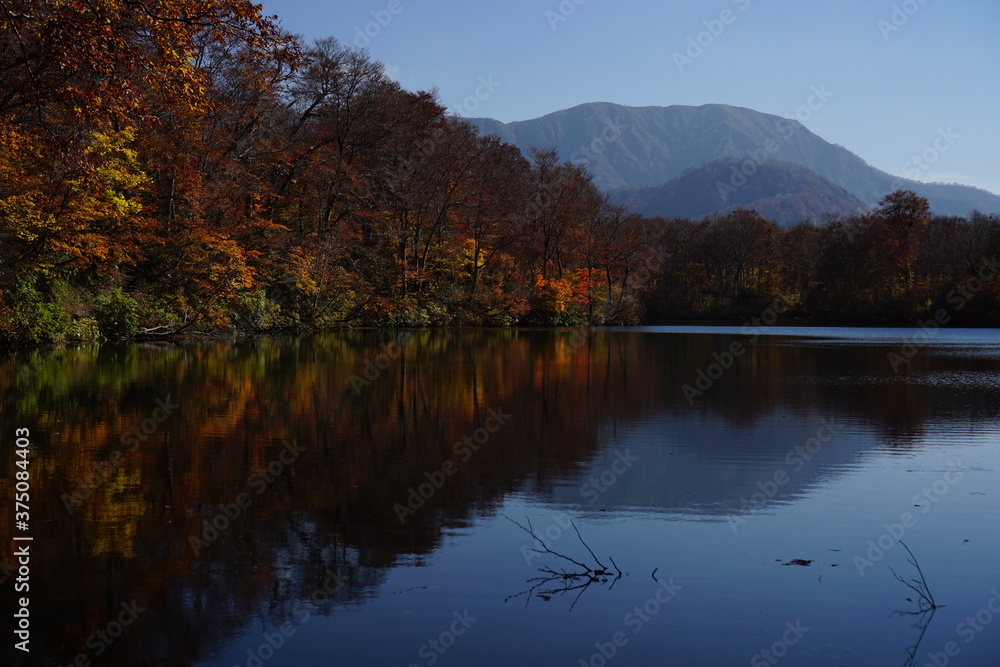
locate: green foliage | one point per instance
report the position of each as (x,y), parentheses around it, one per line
(118,316)
(158,311)
(407,312)
(83,329)
(253,311)
(37,311)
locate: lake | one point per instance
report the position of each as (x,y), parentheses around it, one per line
(643,496)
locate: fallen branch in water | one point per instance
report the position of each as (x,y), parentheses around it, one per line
(925,599)
(559,582)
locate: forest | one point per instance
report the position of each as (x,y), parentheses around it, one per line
(171,167)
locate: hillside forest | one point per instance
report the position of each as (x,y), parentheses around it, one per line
(173,167)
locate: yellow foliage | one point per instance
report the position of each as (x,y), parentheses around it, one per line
(118,169)
(553,295)
(469,247)
(81,214)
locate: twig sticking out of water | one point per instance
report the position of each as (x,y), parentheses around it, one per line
(596,560)
(546,550)
(925,599)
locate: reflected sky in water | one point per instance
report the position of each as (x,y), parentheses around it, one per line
(275,516)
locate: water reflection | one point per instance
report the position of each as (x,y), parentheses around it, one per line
(206,519)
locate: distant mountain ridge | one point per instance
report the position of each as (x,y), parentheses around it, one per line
(626,147)
(782,192)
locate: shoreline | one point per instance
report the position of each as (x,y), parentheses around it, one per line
(773,329)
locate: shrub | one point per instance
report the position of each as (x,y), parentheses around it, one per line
(118,316)
(34,317)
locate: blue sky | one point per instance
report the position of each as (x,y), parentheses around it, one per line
(899,74)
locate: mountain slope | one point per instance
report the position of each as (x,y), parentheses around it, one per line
(633,146)
(782,192)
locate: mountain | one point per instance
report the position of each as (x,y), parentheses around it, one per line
(782,192)
(636,146)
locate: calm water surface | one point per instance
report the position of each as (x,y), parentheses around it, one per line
(345,500)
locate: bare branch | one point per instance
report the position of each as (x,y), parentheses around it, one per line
(925,599)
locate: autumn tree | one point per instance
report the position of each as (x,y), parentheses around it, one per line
(84,85)
(552,231)
(623,253)
(495,293)
(737,249)
(901,221)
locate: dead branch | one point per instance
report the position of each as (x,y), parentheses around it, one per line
(925,599)
(560,582)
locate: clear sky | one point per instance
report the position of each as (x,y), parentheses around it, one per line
(900,75)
